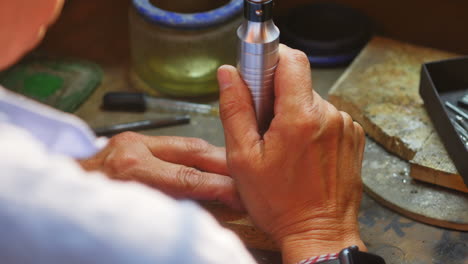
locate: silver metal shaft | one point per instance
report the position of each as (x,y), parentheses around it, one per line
(257,60)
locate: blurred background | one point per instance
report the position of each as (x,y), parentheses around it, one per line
(433,23)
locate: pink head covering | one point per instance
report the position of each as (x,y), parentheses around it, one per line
(22,26)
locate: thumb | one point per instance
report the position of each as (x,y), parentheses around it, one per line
(236,110)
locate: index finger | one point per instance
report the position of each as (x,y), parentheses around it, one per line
(293,82)
(192,152)
(184,182)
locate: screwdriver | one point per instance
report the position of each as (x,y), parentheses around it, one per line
(142,125)
(140,102)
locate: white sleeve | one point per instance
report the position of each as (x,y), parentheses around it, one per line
(59,132)
(51,211)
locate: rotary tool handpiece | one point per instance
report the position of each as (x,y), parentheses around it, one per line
(258,57)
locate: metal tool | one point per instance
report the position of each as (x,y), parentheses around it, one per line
(459,128)
(141,125)
(461,132)
(464,101)
(462,122)
(140,102)
(258,57)
(457,110)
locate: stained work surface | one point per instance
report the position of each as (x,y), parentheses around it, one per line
(386,178)
(380,90)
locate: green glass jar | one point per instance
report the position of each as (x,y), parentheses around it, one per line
(178,45)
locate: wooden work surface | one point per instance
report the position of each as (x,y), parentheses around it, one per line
(91,30)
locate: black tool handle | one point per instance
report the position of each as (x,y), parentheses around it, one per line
(124,101)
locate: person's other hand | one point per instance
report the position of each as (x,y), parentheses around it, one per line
(180,167)
(300,182)
(22,26)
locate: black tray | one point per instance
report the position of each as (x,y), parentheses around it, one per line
(443,81)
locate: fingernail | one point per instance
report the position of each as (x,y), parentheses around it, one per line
(224,77)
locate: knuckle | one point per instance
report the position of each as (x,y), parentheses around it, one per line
(305,123)
(348,124)
(333,125)
(197,145)
(360,132)
(123,138)
(359,129)
(189,178)
(307,119)
(336,120)
(347,118)
(300,58)
(120,162)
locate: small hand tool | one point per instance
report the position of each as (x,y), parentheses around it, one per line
(141,125)
(464,101)
(461,132)
(462,122)
(140,102)
(457,110)
(258,57)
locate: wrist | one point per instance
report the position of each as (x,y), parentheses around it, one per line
(305,233)
(299,246)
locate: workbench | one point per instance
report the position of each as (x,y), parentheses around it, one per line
(90,30)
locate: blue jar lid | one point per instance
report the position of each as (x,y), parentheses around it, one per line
(188,21)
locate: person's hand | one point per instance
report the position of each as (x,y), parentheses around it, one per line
(301,182)
(22,26)
(180,167)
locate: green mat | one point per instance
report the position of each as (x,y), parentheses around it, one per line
(61,83)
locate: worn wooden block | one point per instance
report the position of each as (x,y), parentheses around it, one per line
(380,90)
(435,156)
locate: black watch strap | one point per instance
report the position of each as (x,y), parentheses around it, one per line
(352,255)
